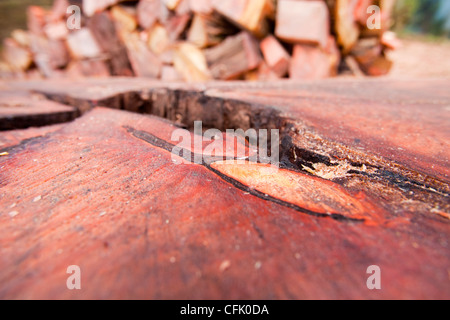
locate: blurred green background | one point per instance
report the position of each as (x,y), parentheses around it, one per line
(424,17)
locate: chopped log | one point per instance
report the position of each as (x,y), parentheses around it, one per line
(167,55)
(379,67)
(176,25)
(346,28)
(265,73)
(233,57)
(6,71)
(248,14)
(334,56)
(158,39)
(126,21)
(17,57)
(90,7)
(169,73)
(183,8)
(386,7)
(198,34)
(190,63)
(49,55)
(390,40)
(353,66)
(59,10)
(309,62)
(201,6)
(209,30)
(56,30)
(368,54)
(303,21)
(21,37)
(36,20)
(276,57)
(213,25)
(83,45)
(104,31)
(366,50)
(150,11)
(97,68)
(144,63)
(360,8)
(171,4)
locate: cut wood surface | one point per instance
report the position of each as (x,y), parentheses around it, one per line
(22,110)
(303,21)
(233,57)
(275,55)
(346,111)
(358,185)
(126,34)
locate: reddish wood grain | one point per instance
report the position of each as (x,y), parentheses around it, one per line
(99,195)
(20,110)
(403,121)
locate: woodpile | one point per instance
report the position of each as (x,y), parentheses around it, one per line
(200,40)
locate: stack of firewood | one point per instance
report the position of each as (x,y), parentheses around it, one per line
(200,40)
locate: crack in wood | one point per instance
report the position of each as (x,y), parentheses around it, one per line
(302,149)
(167,146)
